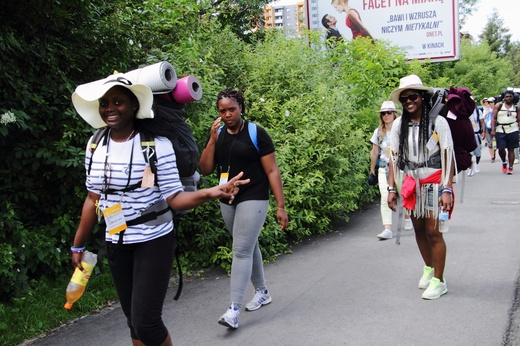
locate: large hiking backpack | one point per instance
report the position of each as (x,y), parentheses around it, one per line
(461,128)
(183,142)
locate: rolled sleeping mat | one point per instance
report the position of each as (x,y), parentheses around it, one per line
(160,77)
(188,89)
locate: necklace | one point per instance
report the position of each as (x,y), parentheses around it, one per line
(239,128)
(126,140)
(131,134)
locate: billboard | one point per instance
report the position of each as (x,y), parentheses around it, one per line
(424,29)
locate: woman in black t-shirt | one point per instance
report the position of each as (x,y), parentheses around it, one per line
(235,148)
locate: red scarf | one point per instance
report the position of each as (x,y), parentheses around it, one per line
(408,190)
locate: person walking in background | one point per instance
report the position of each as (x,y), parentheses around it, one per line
(488,105)
(379,158)
(427,160)
(230,149)
(477,121)
(333,36)
(140,248)
(353,20)
(505,127)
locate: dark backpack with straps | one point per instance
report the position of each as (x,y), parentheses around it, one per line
(183,142)
(462,130)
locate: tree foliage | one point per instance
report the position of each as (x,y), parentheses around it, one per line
(47,49)
(319,105)
(496,34)
(513,56)
(479,69)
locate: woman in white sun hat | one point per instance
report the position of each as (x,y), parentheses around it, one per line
(379,159)
(120,192)
(427,161)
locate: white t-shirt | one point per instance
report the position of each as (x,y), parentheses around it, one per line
(384,146)
(475,118)
(125,165)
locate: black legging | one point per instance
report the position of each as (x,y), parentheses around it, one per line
(141,273)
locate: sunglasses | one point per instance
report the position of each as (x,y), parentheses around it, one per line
(411,97)
(386,113)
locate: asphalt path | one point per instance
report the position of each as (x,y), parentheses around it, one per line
(349,288)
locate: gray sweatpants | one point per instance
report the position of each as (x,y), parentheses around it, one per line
(244,221)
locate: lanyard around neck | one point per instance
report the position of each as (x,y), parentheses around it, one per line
(106,167)
(230,148)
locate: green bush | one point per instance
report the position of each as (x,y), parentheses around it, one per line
(319,113)
(318,105)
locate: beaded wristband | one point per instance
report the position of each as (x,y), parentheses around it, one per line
(450,191)
(77,249)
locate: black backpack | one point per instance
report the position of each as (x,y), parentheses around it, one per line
(180,135)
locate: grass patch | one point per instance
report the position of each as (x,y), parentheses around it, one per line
(41,310)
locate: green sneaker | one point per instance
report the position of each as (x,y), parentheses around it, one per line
(435,290)
(426,278)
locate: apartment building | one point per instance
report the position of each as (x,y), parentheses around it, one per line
(290,18)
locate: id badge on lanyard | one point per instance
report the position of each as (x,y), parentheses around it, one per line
(115,219)
(432,142)
(224,176)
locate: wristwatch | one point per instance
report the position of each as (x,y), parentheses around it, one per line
(388,188)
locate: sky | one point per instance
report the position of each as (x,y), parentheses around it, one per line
(475,24)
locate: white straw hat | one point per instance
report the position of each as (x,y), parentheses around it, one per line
(409,82)
(388,106)
(86,96)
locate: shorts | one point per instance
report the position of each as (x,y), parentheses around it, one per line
(430,200)
(477,152)
(507,140)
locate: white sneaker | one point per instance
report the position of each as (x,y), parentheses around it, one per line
(386,234)
(230,318)
(260,299)
(471,172)
(435,290)
(477,168)
(426,278)
(408,225)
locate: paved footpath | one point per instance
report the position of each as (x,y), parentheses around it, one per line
(349,288)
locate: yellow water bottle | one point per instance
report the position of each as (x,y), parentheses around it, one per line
(493,143)
(79,279)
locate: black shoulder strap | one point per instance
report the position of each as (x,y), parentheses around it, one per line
(149,151)
(438,106)
(96,139)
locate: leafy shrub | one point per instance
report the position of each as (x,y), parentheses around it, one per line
(318,106)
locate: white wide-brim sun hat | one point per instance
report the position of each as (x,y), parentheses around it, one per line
(86,98)
(409,82)
(388,106)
